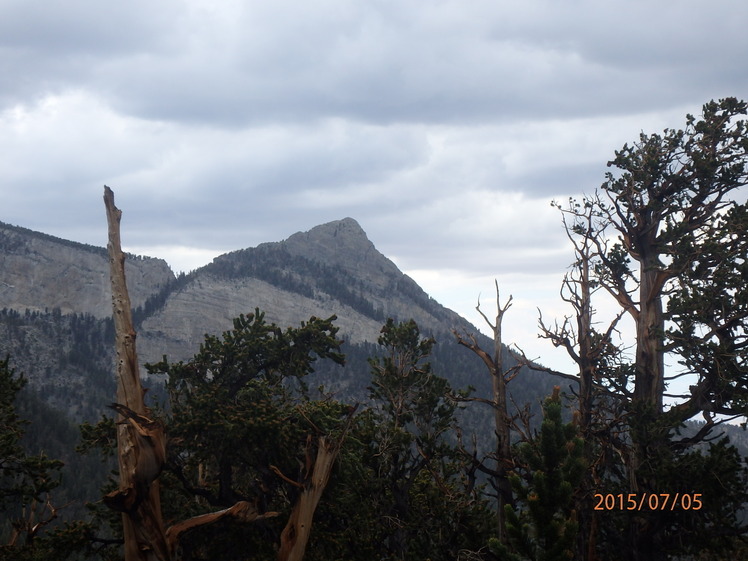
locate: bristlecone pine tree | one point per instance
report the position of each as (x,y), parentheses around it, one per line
(665,237)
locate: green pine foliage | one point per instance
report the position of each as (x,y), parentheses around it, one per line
(240,423)
(423,505)
(240,426)
(550,468)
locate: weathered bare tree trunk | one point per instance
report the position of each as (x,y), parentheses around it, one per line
(140,441)
(502,419)
(581,299)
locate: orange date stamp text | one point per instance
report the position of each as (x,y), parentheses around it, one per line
(648,501)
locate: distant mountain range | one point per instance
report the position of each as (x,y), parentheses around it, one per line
(55,308)
(333,268)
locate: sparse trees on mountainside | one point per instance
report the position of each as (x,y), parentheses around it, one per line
(26,481)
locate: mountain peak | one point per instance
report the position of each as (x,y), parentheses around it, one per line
(341,243)
(345,231)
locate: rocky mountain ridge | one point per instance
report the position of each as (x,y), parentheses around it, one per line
(331,269)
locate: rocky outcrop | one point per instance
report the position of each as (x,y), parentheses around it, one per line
(40,272)
(343,244)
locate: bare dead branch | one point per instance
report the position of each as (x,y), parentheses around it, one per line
(242,511)
(285,478)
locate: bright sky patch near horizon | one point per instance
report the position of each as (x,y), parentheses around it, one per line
(444,128)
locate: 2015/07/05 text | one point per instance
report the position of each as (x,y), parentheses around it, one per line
(648,501)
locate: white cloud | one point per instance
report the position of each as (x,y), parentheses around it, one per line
(181,259)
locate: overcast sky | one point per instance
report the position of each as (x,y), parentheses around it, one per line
(444,128)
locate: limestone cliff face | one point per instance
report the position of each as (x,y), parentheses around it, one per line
(343,246)
(41,272)
(208,305)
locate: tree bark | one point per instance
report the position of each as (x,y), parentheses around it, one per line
(650,330)
(295,535)
(140,441)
